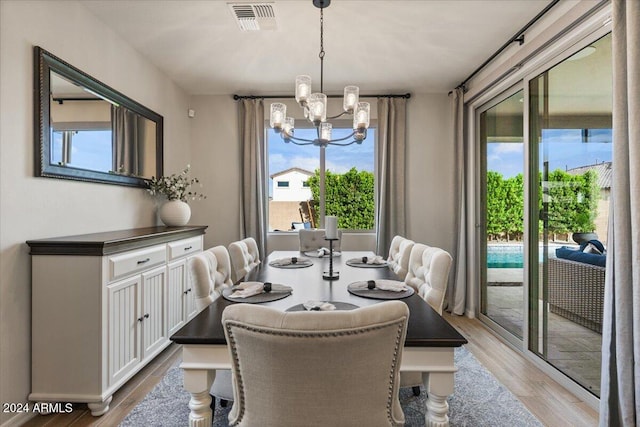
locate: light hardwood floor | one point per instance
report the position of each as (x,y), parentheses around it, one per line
(551,403)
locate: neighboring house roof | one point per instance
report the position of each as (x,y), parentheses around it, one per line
(286,171)
(603,170)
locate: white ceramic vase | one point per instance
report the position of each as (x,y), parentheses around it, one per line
(174,213)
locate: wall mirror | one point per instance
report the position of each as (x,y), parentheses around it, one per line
(87,131)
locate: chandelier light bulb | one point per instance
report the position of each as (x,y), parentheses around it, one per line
(278,113)
(303,89)
(325,131)
(288,127)
(317,107)
(361,116)
(350,100)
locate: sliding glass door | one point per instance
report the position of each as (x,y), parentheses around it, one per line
(502,195)
(570,175)
(545,177)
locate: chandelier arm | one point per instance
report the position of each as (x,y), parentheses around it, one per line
(342,145)
(298,141)
(343,139)
(339,115)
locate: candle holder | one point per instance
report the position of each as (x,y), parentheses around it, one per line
(331,275)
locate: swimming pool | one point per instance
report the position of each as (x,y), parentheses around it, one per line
(505,256)
(512,255)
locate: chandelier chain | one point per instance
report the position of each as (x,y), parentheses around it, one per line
(321,54)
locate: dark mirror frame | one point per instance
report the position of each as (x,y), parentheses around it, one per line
(45,63)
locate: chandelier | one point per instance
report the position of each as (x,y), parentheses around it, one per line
(314,107)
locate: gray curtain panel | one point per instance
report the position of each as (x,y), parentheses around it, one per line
(128,141)
(253,221)
(457,301)
(391,219)
(620,383)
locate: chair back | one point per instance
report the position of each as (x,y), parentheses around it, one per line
(313,239)
(210,272)
(327,368)
(429,273)
(399,253)
(244,258)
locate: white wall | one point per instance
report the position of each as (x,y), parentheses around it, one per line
(33,207)
(217,163)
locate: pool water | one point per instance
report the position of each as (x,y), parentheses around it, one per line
(505,256)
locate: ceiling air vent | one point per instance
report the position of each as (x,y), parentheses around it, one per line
(254,16)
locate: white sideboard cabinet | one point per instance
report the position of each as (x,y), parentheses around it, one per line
(103,306)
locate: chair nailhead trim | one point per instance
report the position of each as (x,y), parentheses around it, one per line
(229,324)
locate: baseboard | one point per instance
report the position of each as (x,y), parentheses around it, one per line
(18,419)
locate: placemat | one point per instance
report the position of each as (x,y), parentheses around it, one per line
(300,263)
(377,293)
(357,262)
(277,292)
(339,306)
(314,254)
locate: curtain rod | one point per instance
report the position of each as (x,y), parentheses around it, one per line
(238,97)
(518,37)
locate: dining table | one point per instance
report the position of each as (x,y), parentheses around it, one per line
(428,348)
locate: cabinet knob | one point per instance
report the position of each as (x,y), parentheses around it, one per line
(146,316)
(140,319)
(187,291)
(144,261)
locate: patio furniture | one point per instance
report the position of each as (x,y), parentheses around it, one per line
(576,292)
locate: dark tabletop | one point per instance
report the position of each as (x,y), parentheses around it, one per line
(426,327)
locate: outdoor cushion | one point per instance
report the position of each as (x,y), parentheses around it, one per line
(579,256)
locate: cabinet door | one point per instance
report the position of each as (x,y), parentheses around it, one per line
(154,332)
(177,294)
(124,307)
(189,295)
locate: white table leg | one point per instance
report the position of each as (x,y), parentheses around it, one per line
(198,383)
(438,385)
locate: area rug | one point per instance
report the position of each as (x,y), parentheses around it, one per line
(478,400)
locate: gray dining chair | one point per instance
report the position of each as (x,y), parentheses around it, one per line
(210,273)
(399,253)
(314,239)
(316,368)
(244,256)
(428,275)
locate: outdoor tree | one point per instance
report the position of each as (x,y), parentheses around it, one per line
(571,208)
(348,196)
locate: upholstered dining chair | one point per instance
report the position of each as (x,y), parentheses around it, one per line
(428,275)
(244,258)
(316,368)
(210,273)
(399,253)
(313,239)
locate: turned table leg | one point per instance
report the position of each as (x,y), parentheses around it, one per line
(439,386)
(198,383)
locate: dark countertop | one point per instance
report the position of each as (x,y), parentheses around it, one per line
(110,242)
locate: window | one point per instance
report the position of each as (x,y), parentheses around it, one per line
(89,148)
(350,178)
(284,184)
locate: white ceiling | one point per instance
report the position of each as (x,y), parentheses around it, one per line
(384,46)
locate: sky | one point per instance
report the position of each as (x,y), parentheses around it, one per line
(564,150)
(283,155)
